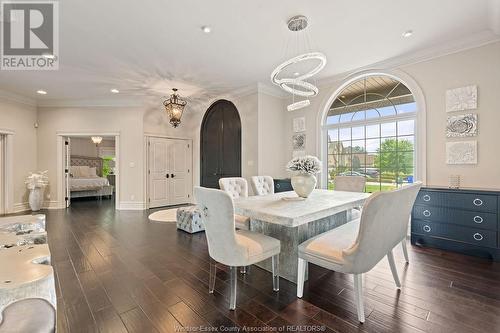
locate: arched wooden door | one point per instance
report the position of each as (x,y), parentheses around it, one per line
(220,143)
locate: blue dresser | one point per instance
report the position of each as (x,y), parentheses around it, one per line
(460,220)
(282,185)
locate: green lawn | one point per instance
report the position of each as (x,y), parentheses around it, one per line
(370,188)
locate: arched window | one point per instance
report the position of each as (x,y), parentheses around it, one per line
(371,131)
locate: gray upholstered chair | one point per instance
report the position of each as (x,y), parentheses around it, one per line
(236,187)
(262,185)
(357,246)
(229,247)
(349,183)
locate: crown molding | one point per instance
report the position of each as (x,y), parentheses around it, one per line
(91,103)
(271,90)
(16,98)
(473,41)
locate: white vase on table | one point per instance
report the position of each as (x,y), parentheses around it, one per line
(35,199)
(303,184)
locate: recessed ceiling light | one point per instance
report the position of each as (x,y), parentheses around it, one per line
(115,91)
(206,29)
(49,56)
(41,92)
(407,33)
(296,74)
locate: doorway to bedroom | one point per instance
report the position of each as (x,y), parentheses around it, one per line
(90,169)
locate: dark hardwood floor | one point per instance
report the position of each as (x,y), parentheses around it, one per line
(117,272)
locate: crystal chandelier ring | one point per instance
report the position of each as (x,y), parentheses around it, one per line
(286,83)
(292,85)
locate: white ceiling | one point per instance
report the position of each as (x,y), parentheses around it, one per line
(147,47)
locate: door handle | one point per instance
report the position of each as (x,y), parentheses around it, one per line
(167,175)
(172,175)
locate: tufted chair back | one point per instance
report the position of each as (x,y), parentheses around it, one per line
(236,187)
(262,185)
(217,214)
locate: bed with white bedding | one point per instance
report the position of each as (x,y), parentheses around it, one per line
(86,178)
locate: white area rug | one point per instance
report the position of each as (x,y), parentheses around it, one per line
(167,215)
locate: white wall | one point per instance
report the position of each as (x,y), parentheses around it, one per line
(126,121)
(272,136)
(480,66)
(20,118)
(85,146)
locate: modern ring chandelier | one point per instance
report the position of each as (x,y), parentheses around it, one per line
(298,85)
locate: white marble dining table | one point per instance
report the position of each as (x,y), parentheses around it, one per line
(291,220)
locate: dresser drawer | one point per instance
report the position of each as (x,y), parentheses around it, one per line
(282,185)
(480,220)
(468,235)
(468,201)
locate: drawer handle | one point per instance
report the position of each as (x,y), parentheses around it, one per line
(426,197)
(478,219)
(477,236)
(477,202)
(427,228)
(427,213)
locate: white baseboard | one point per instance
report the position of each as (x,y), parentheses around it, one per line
(53,204)
(131,205)
(21,207)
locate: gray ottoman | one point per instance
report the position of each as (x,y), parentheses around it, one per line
(189,219)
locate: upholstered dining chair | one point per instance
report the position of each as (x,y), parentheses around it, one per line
(357,184)
(229,247)
(236,187)
(349,183)
(357,246)
(262,185)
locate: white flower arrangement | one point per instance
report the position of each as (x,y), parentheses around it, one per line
(37,180)
(305,164)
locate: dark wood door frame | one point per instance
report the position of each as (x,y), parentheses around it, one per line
(220,142)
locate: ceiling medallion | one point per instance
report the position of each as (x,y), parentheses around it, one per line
(174,107)
(298,85)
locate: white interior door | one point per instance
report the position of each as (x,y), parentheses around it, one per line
(180,171)
(170,173)
(67,165)
(158,172)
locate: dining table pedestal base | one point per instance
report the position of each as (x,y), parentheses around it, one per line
(291,238)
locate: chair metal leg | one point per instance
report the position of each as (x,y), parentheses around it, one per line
(301,276)
(234,279)
(276,272)
(243,269)
(358,292)
(405,250)
(394,271)
(211,278)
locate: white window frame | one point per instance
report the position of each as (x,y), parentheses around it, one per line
(420,121)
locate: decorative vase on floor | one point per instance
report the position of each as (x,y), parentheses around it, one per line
(35,199)
(303,184)
(35,183)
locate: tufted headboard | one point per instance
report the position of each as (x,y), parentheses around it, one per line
(93,162)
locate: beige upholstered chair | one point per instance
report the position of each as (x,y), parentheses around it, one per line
(357,246)
(236,187)
(357,184)
(230,247)
(262,185)
(350,183)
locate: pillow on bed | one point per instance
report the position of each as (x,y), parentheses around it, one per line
(93,172)
(80,171)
